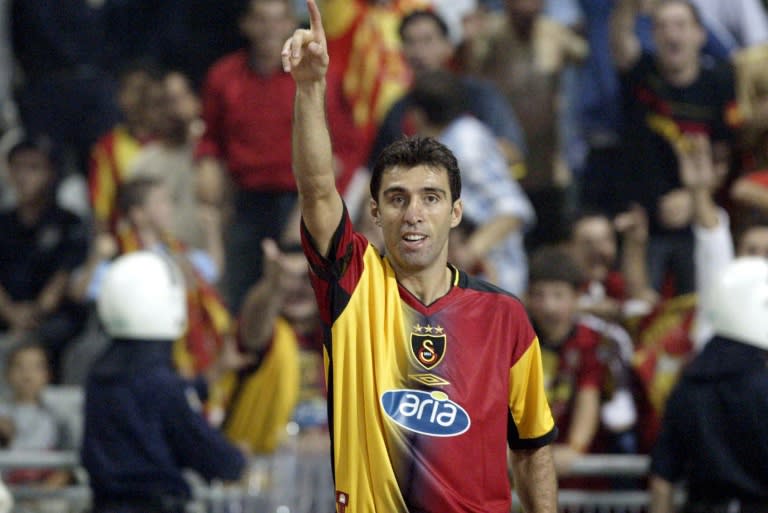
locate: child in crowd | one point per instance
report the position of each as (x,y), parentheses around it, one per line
(583,365)
(26,423)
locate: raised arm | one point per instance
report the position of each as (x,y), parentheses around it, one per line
(625,46)
(699,176)
(264,300)
(305,56)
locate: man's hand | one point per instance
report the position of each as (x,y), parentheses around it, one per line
(696,166)
(675,209)
(305,53)
(633,225)
(21,316)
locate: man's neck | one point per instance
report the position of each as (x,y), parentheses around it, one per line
(427,285)
(683,76)
(523,29)
(30,212)
(263,65)
(557,335)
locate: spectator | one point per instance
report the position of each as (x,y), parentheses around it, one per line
(576,358)
(26,423)
(661,328)
(492,199)
(594,246)
(427,48)
(280,321)
(143,423)
(170,158)
(667,94)
(719,408)
(148,211)
(600,108)
(525,59)
(713,241)
(362,38)
(40,244)
(247,113)
(115,151)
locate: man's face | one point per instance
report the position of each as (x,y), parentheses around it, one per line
(28,374)
(552,307)
(425,48)
(300,304)
(158,209)
(184,103)
(594,246)
(266,26)
(416,214)
(132,95)
(30,175)
(754,242)
(156,107)
(678,37)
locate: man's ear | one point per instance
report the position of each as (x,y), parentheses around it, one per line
(375,213)
(456,213)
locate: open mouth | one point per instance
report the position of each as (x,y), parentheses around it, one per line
(413,239)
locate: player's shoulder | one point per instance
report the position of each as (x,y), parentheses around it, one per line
(488,291)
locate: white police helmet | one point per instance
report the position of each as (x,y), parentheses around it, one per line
(143,297)
(738,305)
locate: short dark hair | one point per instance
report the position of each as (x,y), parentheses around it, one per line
(41,144)
(142,65)
(440,95)
(133,193)
(415,151)
(423,14)
(687,3)
(586,212)
(552,263)
(754,220)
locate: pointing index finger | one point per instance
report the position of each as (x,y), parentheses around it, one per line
(315,20)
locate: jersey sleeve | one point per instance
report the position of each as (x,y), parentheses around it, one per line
(530,423)
(335,275)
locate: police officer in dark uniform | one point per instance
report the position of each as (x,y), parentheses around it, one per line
(142,420)
(715,429)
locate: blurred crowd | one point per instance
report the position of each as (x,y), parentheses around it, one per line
(613,157)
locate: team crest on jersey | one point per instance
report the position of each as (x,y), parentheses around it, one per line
(428,345)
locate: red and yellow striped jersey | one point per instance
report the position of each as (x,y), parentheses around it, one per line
(423,399)
(111,158)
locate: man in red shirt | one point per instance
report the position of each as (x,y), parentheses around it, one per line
(247,109)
